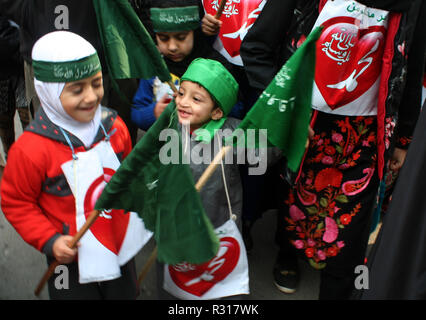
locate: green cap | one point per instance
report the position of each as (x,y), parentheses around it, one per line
(218,81)
(222,87)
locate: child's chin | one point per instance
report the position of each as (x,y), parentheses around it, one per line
(184,122)
(84,118)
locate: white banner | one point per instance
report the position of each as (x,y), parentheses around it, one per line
(349,58)
(115,237)
(224,275)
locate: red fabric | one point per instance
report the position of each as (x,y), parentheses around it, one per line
(388,53)
(321,4)
(35,214)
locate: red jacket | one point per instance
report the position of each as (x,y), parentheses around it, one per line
(35,196)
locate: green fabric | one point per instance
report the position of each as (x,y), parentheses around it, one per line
(218,81)
(284,107)
(164,196)
(211,128)
(68,71)
(175,19)
(129,49)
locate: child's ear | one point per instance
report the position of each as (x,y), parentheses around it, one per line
(217,113)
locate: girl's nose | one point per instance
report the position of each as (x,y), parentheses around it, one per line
(90,95)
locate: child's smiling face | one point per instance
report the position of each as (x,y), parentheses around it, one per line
(175,45)
(195,105)
(80,99)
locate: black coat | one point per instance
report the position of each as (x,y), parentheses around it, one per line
(10,62)
(397,262)
(37,18)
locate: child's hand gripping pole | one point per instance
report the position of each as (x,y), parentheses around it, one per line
(90,220)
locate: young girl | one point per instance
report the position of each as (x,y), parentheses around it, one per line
(180,41)
(59,166)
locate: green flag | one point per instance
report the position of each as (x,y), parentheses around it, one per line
(164,196)
(129,49)
(284,107)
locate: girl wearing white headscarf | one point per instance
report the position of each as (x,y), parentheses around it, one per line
(59,166)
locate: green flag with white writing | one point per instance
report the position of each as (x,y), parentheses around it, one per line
(162,191)
(284,107)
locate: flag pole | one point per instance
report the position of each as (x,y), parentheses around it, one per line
(172,86)
(220,9)
(199,185)
(92,217)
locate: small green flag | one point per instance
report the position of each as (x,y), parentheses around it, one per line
(284,107)
(164,196)
(129,49)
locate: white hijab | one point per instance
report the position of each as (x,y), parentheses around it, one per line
(62,46)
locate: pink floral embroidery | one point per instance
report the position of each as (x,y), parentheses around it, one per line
(337,137)
(331,230)
(296,214)
(389,127)
(322,193)
(351,188)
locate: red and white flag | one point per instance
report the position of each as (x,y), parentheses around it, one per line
(115,237)
(238,17)
(224,275)
(352,45)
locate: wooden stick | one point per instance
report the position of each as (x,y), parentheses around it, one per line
(211,168)
(200,184)
(172,86)
(92,218)
(147,265)
(220,9)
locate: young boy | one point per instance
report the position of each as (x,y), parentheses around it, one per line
(178,35)
(59,166)
(206,95)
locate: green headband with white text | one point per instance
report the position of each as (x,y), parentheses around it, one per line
(175,19)
(67,71)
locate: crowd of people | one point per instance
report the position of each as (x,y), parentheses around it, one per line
(366,102)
